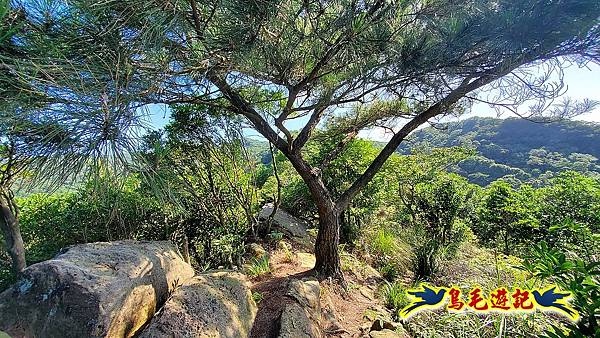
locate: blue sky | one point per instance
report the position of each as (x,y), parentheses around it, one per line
(580,83)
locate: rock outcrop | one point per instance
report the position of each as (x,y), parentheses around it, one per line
(216,305)
(300,318)
(293,228)
(93,290)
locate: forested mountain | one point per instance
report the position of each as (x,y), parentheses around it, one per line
(516,148)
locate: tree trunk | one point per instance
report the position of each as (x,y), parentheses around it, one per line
(328,238)
(9,223)
(326,247)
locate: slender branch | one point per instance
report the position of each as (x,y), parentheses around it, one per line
(196,19)
(312,123)
(244,108)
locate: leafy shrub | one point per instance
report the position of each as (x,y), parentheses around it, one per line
(574,274)
(438,206)
(102,211)
(257,297)
(276,236)
(389,270)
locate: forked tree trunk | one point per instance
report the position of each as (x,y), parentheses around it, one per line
(9,222)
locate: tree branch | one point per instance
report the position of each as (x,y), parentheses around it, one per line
(438,108)
(245,109)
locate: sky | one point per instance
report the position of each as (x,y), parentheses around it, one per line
(580,83)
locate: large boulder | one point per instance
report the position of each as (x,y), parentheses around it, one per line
(93,290)
(292,227)
(216,305)
(300,318)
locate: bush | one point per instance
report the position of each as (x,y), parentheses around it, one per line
(102,211)
(388,251)
(436,218)
(575,274)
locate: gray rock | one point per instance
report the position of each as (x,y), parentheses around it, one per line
(292,227)
(216,304)
(300,318)
(93,290)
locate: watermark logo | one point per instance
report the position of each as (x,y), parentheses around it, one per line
(518,300)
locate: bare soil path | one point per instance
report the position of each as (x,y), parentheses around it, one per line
(344,312)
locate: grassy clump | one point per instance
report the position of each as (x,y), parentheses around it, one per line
(390,254)
(395,297)
(259,266)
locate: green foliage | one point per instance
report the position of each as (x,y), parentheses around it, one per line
(508,218)
(570,201)
(337,176)
(395,297)
(259,266)
(51,222)
(201,168)
(97,212)
(257,297)
(275,236)
(389,253)
(578,275)
(433,202)
(512,218)
(516,148)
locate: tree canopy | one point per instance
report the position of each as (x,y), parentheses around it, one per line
(346,65)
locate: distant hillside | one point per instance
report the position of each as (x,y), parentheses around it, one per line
(517,148)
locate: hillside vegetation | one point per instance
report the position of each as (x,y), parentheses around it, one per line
(516,148)
(268,100)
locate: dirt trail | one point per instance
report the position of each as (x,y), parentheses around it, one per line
(343,312)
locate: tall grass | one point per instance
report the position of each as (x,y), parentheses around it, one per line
(259,267)
(395,298)
(391,255)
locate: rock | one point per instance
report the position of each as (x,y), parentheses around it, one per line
(256,250)
(390,325)
(307,293)
(376,312)
(329,316)
(385,333)
(365,328)
(367,293)
(296,323)
(217,304)
(306,260)
(360,269)
(300,317)
(293,228)
(93,290)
